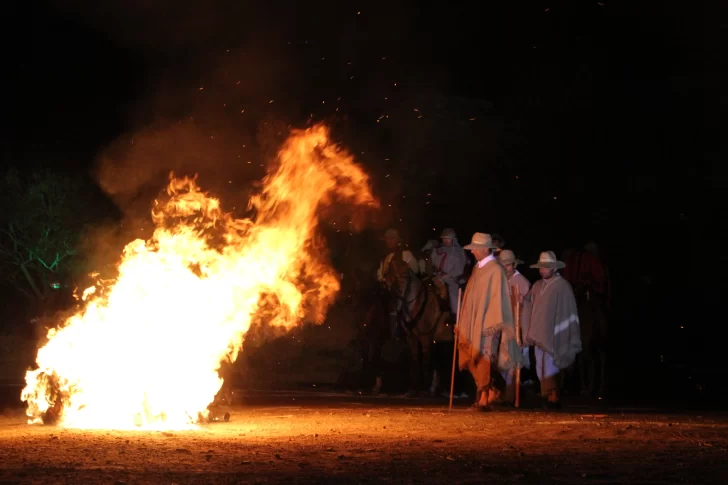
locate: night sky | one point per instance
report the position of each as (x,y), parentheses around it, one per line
(547,122)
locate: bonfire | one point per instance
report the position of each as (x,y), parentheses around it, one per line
(146,348)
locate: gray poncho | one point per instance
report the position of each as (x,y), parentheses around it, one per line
(554,323)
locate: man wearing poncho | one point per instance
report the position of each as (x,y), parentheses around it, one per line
(553,326)
(516,280)
(486,332)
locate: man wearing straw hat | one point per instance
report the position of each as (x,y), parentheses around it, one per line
(553,327)
(516,280)
(486,331)
(509,261)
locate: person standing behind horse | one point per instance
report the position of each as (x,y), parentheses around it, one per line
(553,326)
(486,331)
(448,265)
(516,280)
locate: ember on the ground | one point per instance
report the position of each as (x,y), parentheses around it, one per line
(375,443)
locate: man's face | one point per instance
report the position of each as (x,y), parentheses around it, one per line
(481,254)
(391,242)
(510,269)
(447,242)
(546,273)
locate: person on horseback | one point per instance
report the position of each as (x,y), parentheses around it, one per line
(448,265)
(421,319)
(425,260)
(486,330)
(393,243)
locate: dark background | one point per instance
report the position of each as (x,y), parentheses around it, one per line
(550,123)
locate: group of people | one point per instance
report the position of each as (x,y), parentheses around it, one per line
(486,330)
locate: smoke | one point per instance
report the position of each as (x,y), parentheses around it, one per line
(224,83)
(226,80)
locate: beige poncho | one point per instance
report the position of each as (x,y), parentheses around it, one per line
(486,311)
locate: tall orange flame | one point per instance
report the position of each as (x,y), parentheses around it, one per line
(146,349)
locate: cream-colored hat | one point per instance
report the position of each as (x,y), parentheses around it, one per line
(481,241)
(547,259)
(507,257)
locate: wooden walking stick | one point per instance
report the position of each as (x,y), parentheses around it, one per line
(455,348)
(516,301)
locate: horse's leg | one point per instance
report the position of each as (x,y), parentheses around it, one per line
(588,339)
(602,373)
(366,349)
(602,350)
(379,338)
(426,363)
(585,362)
(415,365)
(440,375)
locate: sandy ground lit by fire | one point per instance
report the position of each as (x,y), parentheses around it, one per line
(378,442)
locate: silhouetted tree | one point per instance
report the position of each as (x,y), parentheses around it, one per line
(40,225)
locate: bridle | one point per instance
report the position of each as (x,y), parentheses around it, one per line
(405,317)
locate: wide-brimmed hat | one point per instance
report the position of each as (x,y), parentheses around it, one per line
(481,241)
(507,257)
(547,259)
(448,232)
(392,234)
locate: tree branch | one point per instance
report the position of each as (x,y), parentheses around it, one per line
(31,282)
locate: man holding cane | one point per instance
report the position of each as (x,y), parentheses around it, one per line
(486,332)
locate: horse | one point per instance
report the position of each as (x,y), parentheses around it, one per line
(420,315)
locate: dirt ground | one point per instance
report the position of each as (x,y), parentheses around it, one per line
(378,442)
